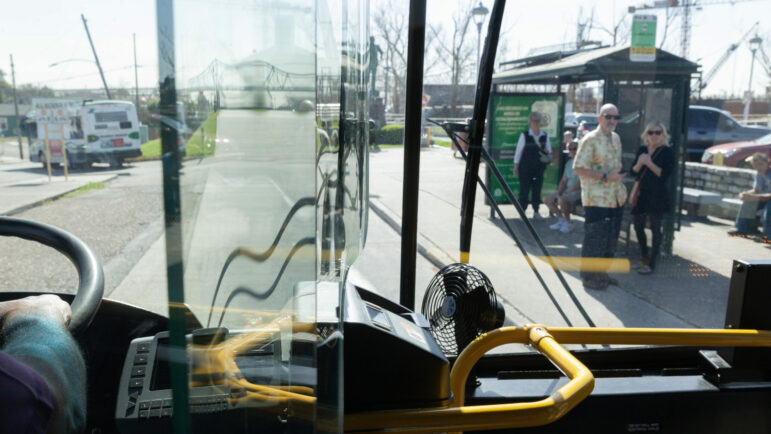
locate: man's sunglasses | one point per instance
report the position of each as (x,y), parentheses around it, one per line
(655,132)
(572,149)
(609,117)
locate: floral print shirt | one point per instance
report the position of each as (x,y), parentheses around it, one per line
(600,153)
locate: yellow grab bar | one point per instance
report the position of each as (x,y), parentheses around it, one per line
(663,336)
(494,416)
(479,417)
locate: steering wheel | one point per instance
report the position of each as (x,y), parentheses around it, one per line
(91,284)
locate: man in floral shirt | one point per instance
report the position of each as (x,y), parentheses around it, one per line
(598,165)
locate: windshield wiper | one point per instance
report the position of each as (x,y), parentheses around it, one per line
(451,129)
(476,152)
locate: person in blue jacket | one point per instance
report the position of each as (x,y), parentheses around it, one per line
(42,372)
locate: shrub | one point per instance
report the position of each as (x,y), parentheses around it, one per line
(391,135)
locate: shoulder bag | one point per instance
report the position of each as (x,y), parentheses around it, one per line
(634,195)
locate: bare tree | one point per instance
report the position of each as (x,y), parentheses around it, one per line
(390,26)
(620,32)
(454,51)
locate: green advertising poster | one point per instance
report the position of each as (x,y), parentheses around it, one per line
(643,47)
(508,119)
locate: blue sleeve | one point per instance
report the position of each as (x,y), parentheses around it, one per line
(48,348)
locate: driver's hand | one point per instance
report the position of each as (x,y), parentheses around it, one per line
(47,305)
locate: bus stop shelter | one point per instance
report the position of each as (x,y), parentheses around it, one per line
(642,91)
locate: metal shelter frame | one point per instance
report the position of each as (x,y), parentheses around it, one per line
(632,87)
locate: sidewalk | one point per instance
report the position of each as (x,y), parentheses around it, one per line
(688,289)
(24,184)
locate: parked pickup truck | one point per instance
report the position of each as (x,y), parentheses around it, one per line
(708,126)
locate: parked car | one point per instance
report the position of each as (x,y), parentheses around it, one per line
(735,153)
(708,126)
(573,121)
(585,126)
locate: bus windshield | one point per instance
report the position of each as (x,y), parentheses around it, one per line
(249,160)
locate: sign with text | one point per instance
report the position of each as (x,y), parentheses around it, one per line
(53,117)
(508,114)
(643,47)
(53,110)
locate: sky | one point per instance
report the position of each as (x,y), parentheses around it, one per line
(40,33)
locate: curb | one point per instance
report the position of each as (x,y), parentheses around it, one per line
(39,202)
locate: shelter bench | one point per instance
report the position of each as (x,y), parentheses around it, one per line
(693,198)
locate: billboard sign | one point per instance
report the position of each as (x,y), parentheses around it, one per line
(508,119)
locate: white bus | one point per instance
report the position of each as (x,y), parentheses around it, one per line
(93,131)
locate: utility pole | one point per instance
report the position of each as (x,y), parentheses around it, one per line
(96,58)
(16,109)
(136,77)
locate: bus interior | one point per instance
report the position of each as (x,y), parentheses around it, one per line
(263,321)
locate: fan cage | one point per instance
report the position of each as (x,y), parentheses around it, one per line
(443,313)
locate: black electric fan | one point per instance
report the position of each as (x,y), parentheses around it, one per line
(460,304)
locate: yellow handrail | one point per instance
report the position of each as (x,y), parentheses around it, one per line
(477,417)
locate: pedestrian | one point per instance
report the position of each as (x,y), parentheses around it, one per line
(532,154)
(566,139)
(654,163)
(568,194)
(755,199)
(598,165)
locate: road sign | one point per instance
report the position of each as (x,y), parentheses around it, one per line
(643,48)
(426,98)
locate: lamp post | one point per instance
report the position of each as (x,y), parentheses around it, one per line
(479,13)
(754,45)
(387,72)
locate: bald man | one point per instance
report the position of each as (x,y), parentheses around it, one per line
(598,166)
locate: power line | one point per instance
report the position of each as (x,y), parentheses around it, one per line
(91,74)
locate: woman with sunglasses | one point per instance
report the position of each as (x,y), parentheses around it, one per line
(654,163)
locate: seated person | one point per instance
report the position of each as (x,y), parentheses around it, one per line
(42,373)
(568,194)
(756,199)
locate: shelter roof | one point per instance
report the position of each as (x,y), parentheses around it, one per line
(588,65)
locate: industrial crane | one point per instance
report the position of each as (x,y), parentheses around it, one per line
(686,12)
(764,60)
(705,80)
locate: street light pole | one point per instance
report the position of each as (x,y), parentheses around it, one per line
(754,45)
(479,13)
(16,109)
(136,76)
(387,72)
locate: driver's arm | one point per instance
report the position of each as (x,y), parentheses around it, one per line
(42,372)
